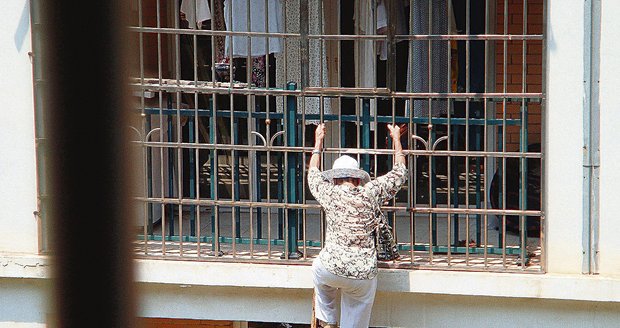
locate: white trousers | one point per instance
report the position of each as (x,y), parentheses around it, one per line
(356,299)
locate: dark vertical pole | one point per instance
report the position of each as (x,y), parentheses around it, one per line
(304,28)
(366,133)
(213,161)
(235,172)
(149,177)
(291,173)
(258,183)
(192,181)
(455,186)
(281,190)
(170,151)
(90,183)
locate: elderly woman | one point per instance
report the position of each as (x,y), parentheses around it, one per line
(348,261)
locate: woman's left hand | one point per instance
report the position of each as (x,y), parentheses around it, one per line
(394,131)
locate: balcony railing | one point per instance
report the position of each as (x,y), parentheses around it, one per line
(224,157)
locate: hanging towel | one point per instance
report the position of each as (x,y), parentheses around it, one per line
(196,12)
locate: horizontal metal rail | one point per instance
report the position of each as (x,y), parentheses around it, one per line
(341,37)
(168,85)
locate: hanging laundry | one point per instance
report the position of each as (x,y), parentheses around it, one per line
(364,16)
(371,18)
(288,68)
(259,71)
(426,75)
(262,13)
(382,23)
(218,24)
(196,12)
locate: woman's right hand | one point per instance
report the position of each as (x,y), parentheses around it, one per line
(319,133)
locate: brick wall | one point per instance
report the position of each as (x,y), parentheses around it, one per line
(512,81)
(150,43)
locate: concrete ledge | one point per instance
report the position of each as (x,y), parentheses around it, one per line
(16,265)
(543,286)
(217,274)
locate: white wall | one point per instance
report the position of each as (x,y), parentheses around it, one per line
(390,309)
(17,162)
(610,135)
(23,302)
(564,135)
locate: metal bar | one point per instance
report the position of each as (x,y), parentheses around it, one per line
(170,169)
(304,44)
(214,183)
(341,37)
(291,176)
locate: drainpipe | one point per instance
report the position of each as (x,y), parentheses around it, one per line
(591,127)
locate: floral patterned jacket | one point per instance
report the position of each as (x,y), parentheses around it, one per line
(349,249)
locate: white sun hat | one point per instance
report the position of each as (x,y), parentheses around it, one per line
(346,166)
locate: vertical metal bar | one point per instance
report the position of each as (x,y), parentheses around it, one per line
(162,180)
(193,167)
(281,192)
(467,116)
(523,139)
(170,169)
(235,174)
(267,52)
(412,187)
(291,180)
(214,181)
(147,129)
(478,181)
(503,136)
(299,184)
(390,81)
(449,90)
(213,137)
(481,134)
(366,133)
(161,135)
(453,178)
(432,180)
(179,128)
(258,183)
(268,182)
(524,145)
(148,220)
(193,125)
(196,208)
(543,255)
(487,71)
(304,44)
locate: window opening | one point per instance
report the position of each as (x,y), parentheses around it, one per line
(228,108)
